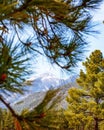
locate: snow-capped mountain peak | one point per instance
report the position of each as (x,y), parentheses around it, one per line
(43,82)
(40,83)
(42,76)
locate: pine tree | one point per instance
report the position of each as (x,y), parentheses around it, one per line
(86,103)
(58,27)
(6,120)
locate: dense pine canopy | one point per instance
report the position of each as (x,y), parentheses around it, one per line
(86,103)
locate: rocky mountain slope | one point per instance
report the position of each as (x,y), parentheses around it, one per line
(58,95)
(36,90)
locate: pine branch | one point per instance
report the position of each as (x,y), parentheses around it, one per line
(9,107)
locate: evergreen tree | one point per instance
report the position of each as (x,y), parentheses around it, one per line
(86,103)
(6,120)
(56,28)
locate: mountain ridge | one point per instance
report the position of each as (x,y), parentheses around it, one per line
(40,84)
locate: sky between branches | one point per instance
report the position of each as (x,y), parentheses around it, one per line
(95,42)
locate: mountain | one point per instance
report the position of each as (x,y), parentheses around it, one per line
(36,89)
(40,83)
(58,94)
(43,82)
(33,100)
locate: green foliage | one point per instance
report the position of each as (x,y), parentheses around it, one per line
(58,31)
(42,117)
(86,102)
(13,67)
(58,27)
(6,120)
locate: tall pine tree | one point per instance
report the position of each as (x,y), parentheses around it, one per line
(86,103)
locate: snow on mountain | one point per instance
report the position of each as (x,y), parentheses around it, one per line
(57,100)
(38,84)
(41,83)
(44,82)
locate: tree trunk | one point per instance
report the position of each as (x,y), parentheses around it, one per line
(96,124)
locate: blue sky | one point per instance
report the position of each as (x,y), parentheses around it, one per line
(95,42)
